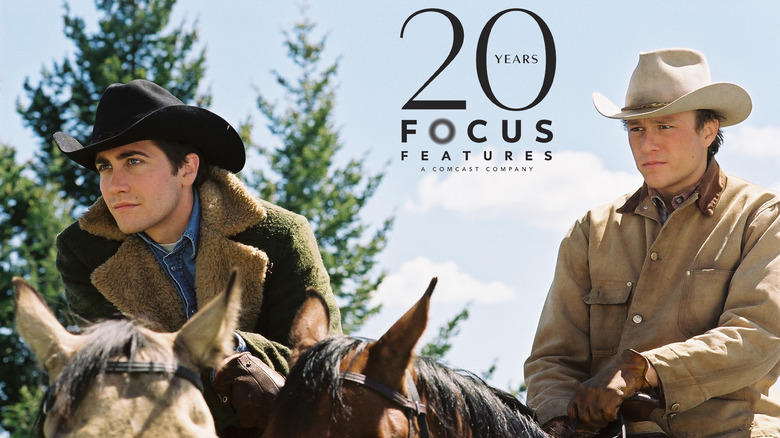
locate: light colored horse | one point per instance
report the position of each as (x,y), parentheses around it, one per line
(121,379)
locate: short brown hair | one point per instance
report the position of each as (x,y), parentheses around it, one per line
(702,118)
(177,152)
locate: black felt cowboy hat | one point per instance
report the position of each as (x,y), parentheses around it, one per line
(142,110)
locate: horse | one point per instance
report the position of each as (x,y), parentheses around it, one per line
(342,386)
(118,378)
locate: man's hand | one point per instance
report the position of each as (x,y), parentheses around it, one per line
(597,400)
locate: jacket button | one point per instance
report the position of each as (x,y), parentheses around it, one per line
(654,256)
(675,407)
(637,319)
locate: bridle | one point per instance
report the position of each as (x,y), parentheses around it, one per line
(133,367)
(412,405)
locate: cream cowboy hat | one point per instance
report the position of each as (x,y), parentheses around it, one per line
(670,81)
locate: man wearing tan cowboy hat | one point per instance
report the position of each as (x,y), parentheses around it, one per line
(171,224)
(673,291)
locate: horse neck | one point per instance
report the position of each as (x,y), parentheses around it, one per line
(435,423)
(464,396)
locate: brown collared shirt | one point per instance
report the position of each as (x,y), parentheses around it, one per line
(663,211)
(708,188)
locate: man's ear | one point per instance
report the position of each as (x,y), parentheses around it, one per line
(710,130)
(189,170)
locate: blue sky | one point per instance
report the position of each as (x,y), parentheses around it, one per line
(490,237)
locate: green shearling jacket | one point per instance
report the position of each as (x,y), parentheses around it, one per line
(107,273)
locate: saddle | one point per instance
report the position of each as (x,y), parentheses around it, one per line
(248,387)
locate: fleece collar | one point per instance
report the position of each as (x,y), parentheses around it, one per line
(134,282)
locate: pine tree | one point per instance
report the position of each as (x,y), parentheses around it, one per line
(438,347)
(37,199)
(129,44)
(305,178)
(31,215)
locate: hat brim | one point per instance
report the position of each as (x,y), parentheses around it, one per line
(729,101)
(209,133)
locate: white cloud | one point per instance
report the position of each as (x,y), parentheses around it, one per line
(756,142)
(406,286)
(552,195)
(757,150)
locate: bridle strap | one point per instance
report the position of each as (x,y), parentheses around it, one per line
(412,405)
(132,367)
(48,398)
(394,396)
(422,422)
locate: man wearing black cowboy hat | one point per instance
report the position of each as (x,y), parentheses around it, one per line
(672,291)
(171,224)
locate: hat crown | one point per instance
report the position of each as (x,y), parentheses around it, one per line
(662,76)
(142,110)
(123,105)
(670,81)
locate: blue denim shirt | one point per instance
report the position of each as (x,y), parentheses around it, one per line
(179,264)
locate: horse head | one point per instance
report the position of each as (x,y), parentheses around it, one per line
(353,409)
(119,378)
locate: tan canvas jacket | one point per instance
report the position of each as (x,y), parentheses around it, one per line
(698,296)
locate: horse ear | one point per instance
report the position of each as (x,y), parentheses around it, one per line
(393,351)
(310,324)
(208,336)
(48,339)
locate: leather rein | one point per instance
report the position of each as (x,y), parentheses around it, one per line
(132,367)
(411,405)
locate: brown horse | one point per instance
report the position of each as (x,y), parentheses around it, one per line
(120,379)
(349,387)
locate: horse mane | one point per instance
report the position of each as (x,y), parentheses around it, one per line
(460,398)
(455,396)
(316,371)
(108,340)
